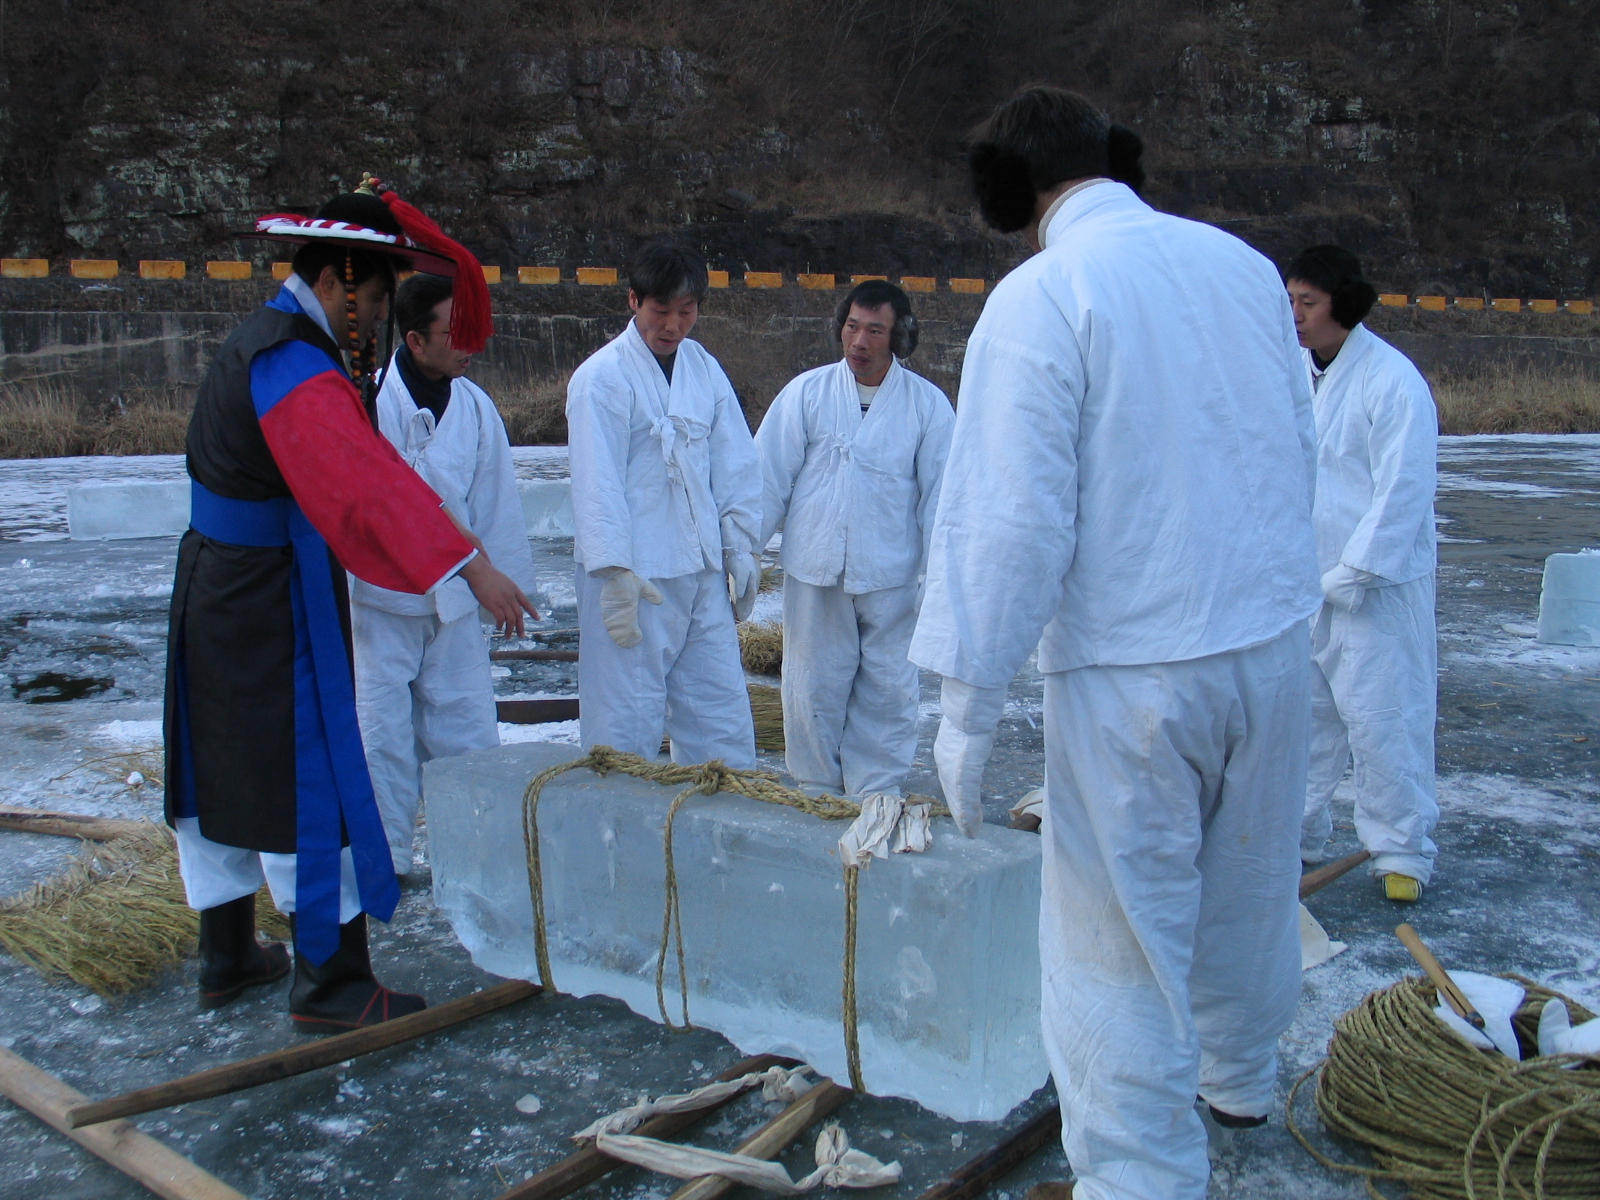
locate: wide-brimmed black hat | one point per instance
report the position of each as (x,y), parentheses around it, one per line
(358,220)
(373,219)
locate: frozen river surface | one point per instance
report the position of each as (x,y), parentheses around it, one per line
(82,630)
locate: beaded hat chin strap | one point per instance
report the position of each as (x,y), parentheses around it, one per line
(363,355)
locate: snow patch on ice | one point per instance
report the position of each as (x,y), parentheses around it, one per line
(1498,648)
(131,733)
(562,732)
(540,462)
(1449,481)
(1508,798)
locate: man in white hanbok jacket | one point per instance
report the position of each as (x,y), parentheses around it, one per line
(666,498)
(851,456)
(1131,476)
(423,687)
(1374,694)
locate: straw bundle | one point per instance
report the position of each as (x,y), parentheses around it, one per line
(114,918)
(766,707)
(761,647)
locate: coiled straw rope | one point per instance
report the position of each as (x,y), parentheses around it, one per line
(1452,1122)
(703,779)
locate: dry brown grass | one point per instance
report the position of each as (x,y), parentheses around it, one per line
(114,918)
(761,646)
(535,412)
(1514,399)
(766,710)
(49,419)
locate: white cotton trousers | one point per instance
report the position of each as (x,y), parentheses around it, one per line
(423,691)
(849,690)
(1374,698)
(1168,934)
(684,678)
(214,874)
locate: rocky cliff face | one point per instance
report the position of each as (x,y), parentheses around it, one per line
(1450,142)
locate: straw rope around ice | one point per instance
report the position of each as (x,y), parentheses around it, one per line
(704,779)
(1448,1120)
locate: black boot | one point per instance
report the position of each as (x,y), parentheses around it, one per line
(231,959)
(342,994)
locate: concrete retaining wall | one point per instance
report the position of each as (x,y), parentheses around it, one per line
(105,339)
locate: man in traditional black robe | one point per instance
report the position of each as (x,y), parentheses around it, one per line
(292,487)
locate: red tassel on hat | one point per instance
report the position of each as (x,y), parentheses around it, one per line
(471,322)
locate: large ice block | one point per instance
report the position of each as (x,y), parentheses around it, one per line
(947,969)
(97,511)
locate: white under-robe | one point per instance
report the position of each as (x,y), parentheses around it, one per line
(1375,690)
(1131,477)
(664,483)
(423,686)
(853,492)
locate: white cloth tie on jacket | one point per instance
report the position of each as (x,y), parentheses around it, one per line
(664,476)
(854,493)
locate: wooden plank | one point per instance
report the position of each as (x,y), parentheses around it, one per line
(297,1060)
(535,712)
(583,1167)
(773,1138)
(97,829)
(1315,881)
(978,1174)
(161,1169)
(533,656)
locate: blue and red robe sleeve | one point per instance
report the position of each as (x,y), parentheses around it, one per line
(383,523)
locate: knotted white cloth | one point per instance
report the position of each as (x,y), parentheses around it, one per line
(887,825)
(838,1166)
(776,1083)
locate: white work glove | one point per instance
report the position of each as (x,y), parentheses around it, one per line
(966,737)
(619,603)
(1345,587)
(744,581)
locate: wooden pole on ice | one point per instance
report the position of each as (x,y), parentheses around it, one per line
(96,829)
(297,1060)
(161,1169)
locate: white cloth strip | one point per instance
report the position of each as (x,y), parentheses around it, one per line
(886,824)
(838,1166)
(776,1083)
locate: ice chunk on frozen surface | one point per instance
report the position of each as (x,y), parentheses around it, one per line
(1569,600)
(947,972)
(547,506)
(98,511)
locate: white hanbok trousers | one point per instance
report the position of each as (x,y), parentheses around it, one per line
(214,874)
(1374,697)
(423,691)
(1169,934)
(684,678)
(849,690)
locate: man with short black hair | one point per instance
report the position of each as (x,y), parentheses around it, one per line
(1374,692)
(666,502)
(423,687)
(1131,478)
(851,456)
